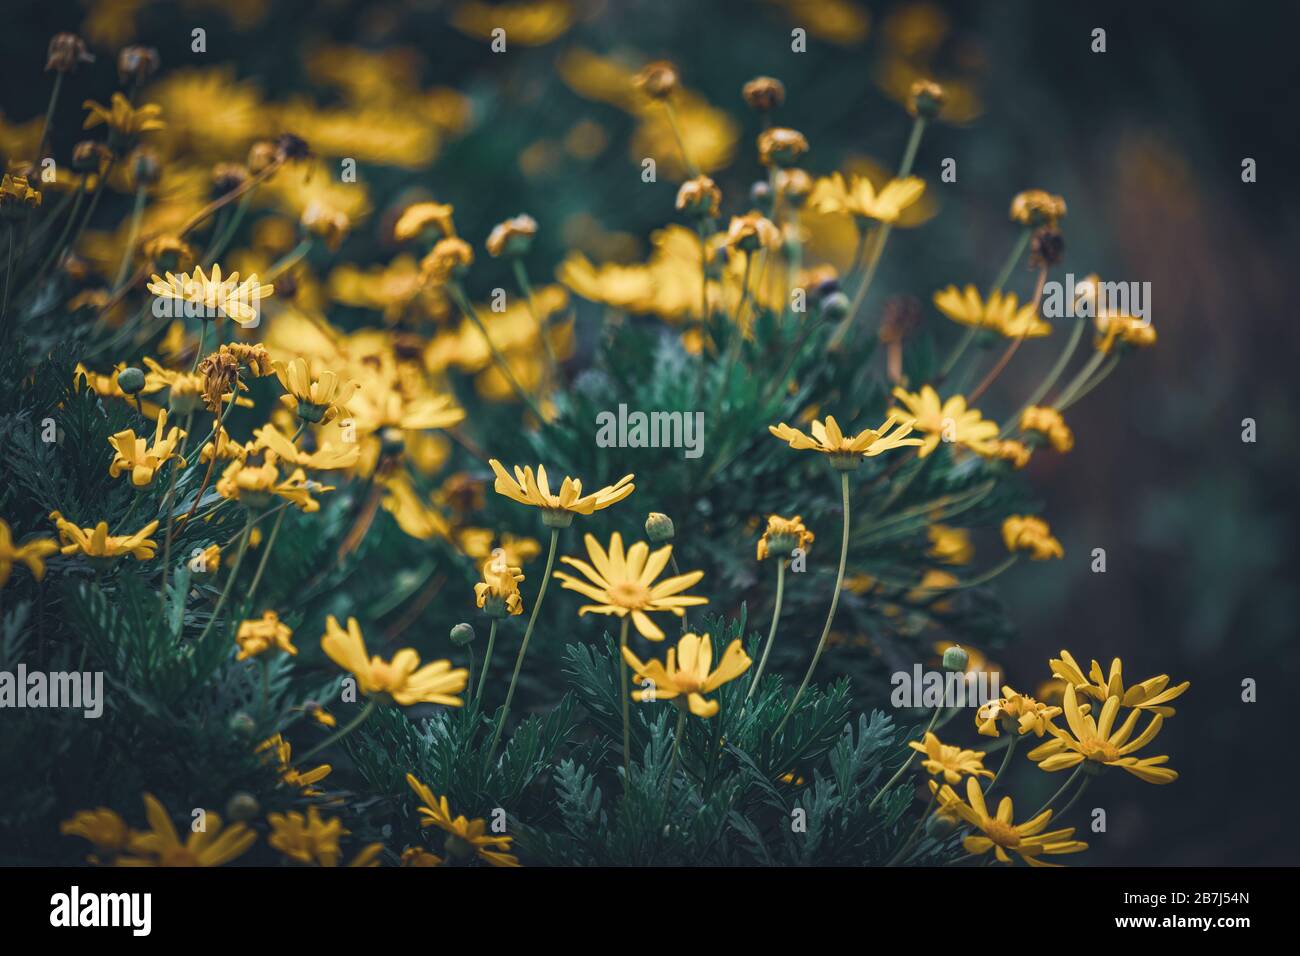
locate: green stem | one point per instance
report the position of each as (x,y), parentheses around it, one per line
(49,115)
(1063,404)
(911,755)
(1016,252)
(487,661)
(1083,785)
(526,288)
(916,830)
(771,634)
(681,141)
(523,647)
(1046,384)
(335,738)
(266,554)
(677,745)
(1064,787)
(835,600)
(1006,762)
(677,573)
(230,581)
(627,714)
(1076,383)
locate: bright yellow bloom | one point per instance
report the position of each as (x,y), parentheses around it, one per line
(1015,711)
(315,398)
(848,450)
(1048,421)
(624,584)
(303,780)
(782,536)
(952,762)
(1030,533)
(1099,742)
(254,486)
(401,679)
(526,490)
(498,592)
(102,827)
(325,458)
(1002,313)
(210,296)
(212,846)
(100,546)
(688,673)
(257,636)
(1016,452)
(858,197)
(1152,694)
(465,838)
(421,216)
(31,553)
(950,545)
(948,421)
(122,119)
(17,192)
(1001,834)
(137,456)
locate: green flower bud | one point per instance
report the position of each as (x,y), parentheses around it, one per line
(242,724)
(939,825)
(462,634)
(659,527)
(130,380)
(242,806)
(955,659)
(835,306)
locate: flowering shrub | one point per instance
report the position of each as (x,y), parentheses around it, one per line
(246,490)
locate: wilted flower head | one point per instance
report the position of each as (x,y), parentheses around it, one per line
(415,219)
(925,99)
(779,146)
(446,260)
(332,225)
(498,593)
(135,64)
(66,52)
(97,544)
(657,80)
(763,93)
(1048,421)
(513,237)
(260,635)
(1035,207)
(782,536)
(169,253)
(699,197)
(751,232)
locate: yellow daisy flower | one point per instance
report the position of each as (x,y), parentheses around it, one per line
(858,197)
(465,838)
(315,398)
(1000,833)
(254,486)
(1032,534)
(141,459)
(1015,711)
(100,546)
(1117,328)
(421,216)
(162,846)
(401,679)
(624,584)
(1097,740)
(948,420)
(688,673)
(557,509)
(952,762)
(949,545)
(498,593)
(782,536)
(102,827)
(302,780)
(847,451)
(1002,313)
(1048,422)
(311,839)
(210,296)
(1036,207)
(258,636)
(1152,694)
(325,458)
(124,121)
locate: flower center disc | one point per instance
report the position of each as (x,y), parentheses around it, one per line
(629,594)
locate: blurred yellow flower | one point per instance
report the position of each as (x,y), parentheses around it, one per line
(782,536)
(259,635)
(32,553)
(101,547)
(1001,313)
(302,780)
(162,846)
(950,545)
(418,217)
(526,22)
(948,421)
(1049,422)
(951,762)
(858,197)
(1031,533)
(316,398)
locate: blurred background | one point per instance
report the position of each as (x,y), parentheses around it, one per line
(1145,141)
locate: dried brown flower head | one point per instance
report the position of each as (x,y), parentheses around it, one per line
(699,197)
(512,237)
(135,64)
(1046,248)
(67,51)
(1036,207)
(780,146)
(220,374)
(926,99)
(763,93)
(657,80)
